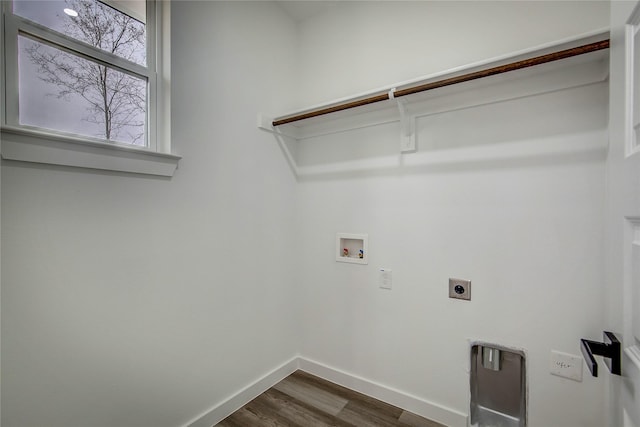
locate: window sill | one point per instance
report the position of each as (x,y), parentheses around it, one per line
(39,147)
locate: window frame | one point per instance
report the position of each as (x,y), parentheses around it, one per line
(72,149)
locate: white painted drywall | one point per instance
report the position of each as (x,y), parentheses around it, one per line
(527,230)
(141,301)
(135,301)
(353,46)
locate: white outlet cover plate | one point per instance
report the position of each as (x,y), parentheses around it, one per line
(385,278)
(566,365)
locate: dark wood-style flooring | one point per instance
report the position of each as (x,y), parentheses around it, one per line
(305,400)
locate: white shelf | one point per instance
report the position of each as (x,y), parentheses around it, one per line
(565,73)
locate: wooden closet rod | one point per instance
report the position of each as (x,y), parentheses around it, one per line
(518,65)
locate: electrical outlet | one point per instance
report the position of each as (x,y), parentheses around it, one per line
(385,278)
(566,365)
(460,289)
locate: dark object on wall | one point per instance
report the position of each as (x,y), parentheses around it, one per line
(609,349)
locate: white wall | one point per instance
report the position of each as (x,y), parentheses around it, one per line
(135,301)
(357,46)
(526,229)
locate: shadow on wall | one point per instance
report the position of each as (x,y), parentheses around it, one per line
(544,118)
(552,129)
(576,149)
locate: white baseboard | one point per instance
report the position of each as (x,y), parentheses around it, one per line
(227,407)
(431,410)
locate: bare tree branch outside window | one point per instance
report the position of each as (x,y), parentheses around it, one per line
(116,100)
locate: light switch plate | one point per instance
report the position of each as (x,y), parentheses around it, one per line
(460,289)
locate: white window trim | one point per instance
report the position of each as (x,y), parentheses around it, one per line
(24,143)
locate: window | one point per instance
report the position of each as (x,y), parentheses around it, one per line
(85,71)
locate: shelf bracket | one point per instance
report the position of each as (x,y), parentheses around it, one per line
(407,125)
